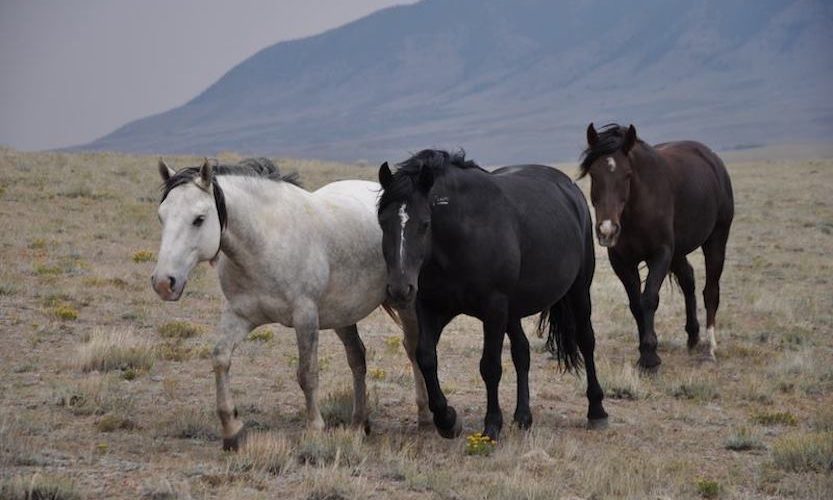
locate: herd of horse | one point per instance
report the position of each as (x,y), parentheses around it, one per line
(439,237)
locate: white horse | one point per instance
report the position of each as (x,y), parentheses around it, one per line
(307,260)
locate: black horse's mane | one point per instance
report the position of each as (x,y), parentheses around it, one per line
(250,167)
(611,138)
(261,168)
(405,179)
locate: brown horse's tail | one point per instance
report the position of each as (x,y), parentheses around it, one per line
(562,334)
(393,314)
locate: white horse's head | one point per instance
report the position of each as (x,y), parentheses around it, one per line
(190,213)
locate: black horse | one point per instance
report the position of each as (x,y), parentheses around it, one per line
(498,246)
(657,205)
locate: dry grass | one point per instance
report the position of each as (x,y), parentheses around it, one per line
(114,350)
(264,452)
(143,429)
(38,487)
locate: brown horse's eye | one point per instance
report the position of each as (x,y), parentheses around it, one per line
(199,220)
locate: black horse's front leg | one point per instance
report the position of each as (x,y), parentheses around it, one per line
(431,325)
(494,329)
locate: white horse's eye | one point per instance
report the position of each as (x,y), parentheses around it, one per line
(199,220)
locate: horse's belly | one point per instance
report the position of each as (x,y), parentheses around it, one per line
(351,299)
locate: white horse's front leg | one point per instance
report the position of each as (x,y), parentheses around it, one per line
(233,329)
(410,328)
(305,320)
(354,347)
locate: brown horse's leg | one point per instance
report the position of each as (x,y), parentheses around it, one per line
(657,270)
(714,251)
(685,277)
(628,274)
(520,358)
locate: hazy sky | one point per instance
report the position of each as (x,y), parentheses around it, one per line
(73,71)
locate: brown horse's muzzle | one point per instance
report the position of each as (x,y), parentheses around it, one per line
(607,232)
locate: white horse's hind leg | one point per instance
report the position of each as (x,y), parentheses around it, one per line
(356,359)
(410,328)
(305,320)
(233,329)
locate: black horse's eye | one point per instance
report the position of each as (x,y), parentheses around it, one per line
(424,225)
(199,220)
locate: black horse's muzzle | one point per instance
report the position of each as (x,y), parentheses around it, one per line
(401,294)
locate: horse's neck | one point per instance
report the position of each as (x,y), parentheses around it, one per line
(256,210)
(649,180)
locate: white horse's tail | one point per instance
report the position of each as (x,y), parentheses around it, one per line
(393,314)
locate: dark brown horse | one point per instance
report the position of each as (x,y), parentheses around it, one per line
(656,205)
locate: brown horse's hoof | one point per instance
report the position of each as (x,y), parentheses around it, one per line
(235,442)
(597,424)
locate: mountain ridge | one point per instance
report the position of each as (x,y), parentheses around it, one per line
(516,81)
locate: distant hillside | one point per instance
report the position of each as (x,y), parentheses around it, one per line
(517,80)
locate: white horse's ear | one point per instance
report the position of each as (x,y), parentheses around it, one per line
(385,176)
(165,171)
(206,172)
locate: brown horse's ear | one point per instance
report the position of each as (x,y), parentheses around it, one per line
(206,172)
(426,179)
(592,135)
(385,175)
(165,171)
(630,139)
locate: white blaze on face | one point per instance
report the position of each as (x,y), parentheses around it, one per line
(403,219)
(611,163)
(606,228)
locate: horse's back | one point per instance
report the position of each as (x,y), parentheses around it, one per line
(703,191)
(555,229)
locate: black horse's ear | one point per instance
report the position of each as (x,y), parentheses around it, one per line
(385,175)
(165,171)
(630,139)
(426,179)
(592,135)
(206,172)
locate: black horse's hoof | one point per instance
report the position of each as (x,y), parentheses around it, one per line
(235,442)
(649,362)
(450,431)
(523,421)
(596,424)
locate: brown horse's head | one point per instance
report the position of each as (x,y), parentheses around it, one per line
(606,161)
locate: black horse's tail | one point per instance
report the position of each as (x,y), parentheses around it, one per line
(560,323)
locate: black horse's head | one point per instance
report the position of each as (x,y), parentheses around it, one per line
(405,217)
(606,161)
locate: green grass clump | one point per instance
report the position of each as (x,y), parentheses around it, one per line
(744,440)
(47,270)
(804,452)
(179,330)
(143,256)
(775,418)
(708,488)
(39,487)
(261,335)
(65,312)
(111,423)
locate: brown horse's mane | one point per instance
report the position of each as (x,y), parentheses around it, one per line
(611,138)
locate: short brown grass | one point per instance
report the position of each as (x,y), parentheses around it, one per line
(673,434)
